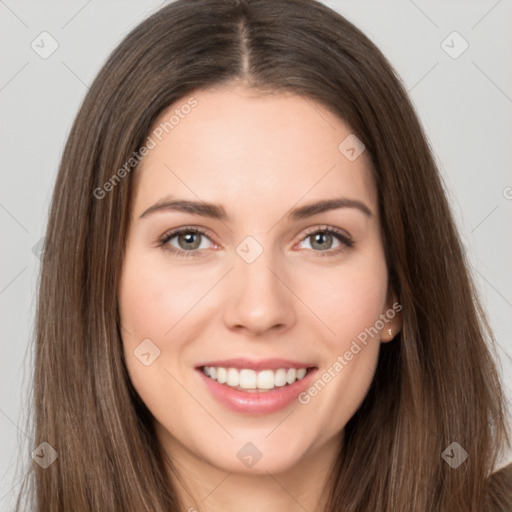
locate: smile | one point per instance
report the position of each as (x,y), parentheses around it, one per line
(252,381)
(256,387)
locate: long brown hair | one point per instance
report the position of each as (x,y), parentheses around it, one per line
(435,384)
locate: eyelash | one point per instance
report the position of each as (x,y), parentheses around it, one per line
(339,235)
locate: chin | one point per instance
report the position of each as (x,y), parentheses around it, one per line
(256,455)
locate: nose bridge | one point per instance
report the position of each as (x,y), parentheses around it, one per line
(255,276)
(258,300)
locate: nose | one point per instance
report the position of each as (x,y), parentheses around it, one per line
(259,297)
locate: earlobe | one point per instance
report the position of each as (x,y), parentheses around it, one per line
(393,316)
(389,333)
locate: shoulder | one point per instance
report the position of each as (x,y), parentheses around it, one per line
(500,489)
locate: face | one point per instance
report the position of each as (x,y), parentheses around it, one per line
(252,320)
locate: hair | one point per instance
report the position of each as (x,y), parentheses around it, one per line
(436,383)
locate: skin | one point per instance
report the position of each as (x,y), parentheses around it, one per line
(257,156)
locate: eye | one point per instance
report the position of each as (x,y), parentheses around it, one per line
(187,241)
(323,240)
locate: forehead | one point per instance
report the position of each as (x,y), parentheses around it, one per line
(237,146)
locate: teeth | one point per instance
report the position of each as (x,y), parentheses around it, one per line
(247,379)
(265,379)
(280,377)
(291,376)
(222,374)
(233,378)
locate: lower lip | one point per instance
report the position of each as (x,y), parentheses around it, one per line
(257,403)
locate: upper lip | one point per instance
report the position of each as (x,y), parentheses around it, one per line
(262,364)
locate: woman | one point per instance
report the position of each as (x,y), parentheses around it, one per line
(255,296)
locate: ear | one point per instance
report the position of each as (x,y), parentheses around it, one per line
(392,318)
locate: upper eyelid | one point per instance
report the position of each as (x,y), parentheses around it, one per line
(326,227)
(171,233)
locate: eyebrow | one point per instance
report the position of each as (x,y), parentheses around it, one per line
(218,212)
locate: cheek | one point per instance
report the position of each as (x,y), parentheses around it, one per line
(154,297)
(154,303)
(352,299)
(352,303)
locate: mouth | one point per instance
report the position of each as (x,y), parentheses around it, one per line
(252,381)
(252,387)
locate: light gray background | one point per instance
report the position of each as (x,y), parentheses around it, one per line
(465,105)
